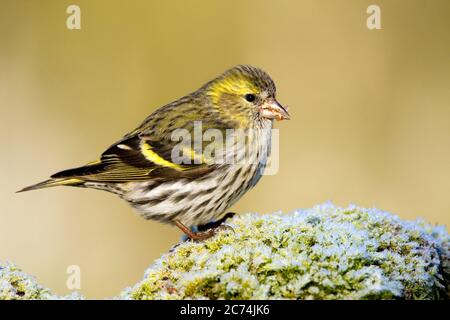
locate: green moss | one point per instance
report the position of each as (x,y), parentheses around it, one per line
(17,285)
(320,253)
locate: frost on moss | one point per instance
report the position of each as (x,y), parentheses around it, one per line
(320,253)
(17,285)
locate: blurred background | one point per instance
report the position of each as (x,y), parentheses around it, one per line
(370,114)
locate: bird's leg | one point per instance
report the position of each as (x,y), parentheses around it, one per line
(204,233)
(197,236)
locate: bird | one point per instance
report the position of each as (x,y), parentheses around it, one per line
(162,168)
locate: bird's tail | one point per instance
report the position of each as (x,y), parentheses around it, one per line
(53,182)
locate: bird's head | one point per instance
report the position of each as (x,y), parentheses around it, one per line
(244,94)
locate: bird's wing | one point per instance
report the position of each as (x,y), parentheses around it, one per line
(136,159)
(147,154)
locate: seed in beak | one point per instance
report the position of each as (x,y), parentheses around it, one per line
(274,110)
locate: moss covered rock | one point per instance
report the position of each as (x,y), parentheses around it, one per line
(17,285)
(320,253)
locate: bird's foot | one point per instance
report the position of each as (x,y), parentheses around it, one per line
(215,224)
(202,235)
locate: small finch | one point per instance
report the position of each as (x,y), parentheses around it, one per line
(192,159)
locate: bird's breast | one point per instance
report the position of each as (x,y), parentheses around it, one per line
(198,201)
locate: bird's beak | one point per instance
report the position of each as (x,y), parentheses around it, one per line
(273,110)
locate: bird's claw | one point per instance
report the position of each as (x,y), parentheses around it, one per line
(206,231)
(225,227)
(204,235)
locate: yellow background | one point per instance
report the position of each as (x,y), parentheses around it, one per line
(370,114)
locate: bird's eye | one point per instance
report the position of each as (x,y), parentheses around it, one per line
(250,97)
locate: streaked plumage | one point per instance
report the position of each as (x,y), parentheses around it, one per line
(140,167)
